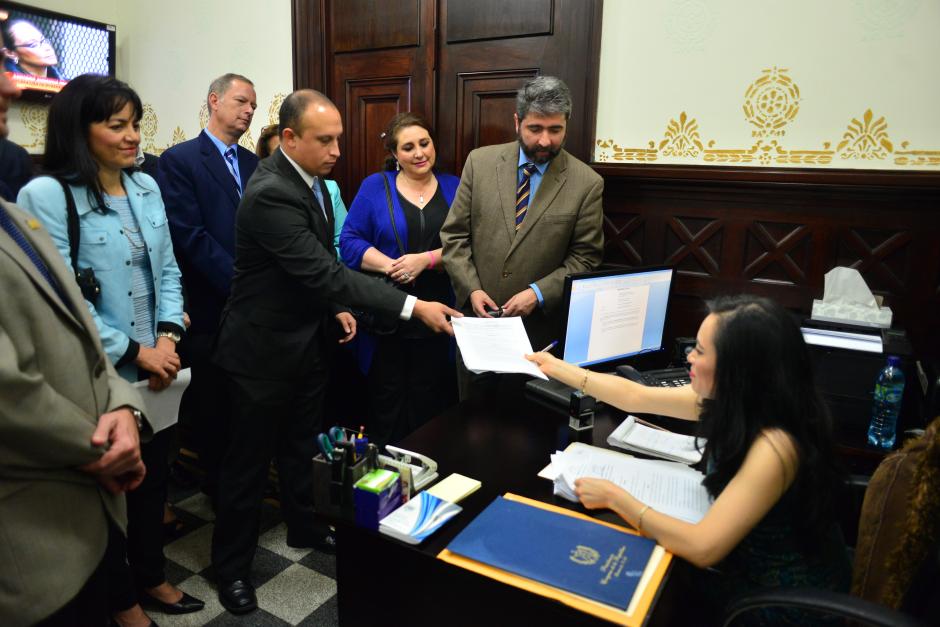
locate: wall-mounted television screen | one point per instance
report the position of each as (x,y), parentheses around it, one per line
(42,49)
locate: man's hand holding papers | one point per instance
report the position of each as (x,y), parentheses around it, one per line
(495,345)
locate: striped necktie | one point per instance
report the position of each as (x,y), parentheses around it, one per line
(522,193)
(6,222)
(230,159)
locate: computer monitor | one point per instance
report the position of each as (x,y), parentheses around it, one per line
(611,315)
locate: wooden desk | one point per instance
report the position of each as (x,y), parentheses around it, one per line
(503,443)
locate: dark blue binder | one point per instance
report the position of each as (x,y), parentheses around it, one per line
(573,554)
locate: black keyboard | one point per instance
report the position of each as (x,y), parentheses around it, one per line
(557,394)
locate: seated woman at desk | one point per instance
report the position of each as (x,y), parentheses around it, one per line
(770,464)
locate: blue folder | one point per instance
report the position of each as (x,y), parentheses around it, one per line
(576,555)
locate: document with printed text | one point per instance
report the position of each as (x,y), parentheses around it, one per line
(495,345)
(669,487)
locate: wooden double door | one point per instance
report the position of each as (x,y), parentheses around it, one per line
(458,63)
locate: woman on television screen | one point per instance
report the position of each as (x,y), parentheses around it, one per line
(27,51)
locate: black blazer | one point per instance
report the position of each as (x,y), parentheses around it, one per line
(288,283)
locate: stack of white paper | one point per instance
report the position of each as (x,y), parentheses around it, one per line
(494,345)
(421,516)
(676,447)
(668,487)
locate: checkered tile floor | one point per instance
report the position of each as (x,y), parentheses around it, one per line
(294,586)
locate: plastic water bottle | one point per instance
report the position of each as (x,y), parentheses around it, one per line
(889,390)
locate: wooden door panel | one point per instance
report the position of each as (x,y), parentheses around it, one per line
(478,20)
(361,25)
(370,104)
(485,100)
(489,49)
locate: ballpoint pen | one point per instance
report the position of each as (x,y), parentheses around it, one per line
(553,344)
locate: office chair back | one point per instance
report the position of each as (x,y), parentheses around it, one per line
(897,557)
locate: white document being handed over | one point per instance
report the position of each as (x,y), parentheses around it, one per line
(495,345)
(163,407)
(676,447)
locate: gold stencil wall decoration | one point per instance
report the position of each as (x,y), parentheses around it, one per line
(681,138)
(203,116)
(866,139)
(771,102)
(148,128)
(34,119)
(274,110)
(247,141)
(179,136)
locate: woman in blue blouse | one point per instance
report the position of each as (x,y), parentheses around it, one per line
(92,140)
(410,371)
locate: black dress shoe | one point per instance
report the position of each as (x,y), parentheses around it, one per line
(238,596)
(185,605)
(324,544)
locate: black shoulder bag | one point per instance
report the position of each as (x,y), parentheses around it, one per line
(86,279)
(370,322)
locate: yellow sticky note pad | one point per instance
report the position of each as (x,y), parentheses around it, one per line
(454,488)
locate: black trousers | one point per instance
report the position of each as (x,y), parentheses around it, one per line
(137,561)
(88,608)
(410,382)
(205,409)
(270,419)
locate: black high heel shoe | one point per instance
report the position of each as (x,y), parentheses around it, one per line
(185,605)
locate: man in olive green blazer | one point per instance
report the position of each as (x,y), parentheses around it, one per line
(511,256)
(69,443)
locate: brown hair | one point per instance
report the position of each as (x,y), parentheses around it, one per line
(261,149)
(394,127)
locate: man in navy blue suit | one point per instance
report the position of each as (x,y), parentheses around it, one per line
(202,181)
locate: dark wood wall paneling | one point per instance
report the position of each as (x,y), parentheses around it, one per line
(768,231)
(777,232)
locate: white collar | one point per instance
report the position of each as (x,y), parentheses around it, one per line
(308,179)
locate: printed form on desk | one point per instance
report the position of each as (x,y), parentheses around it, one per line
(668,487)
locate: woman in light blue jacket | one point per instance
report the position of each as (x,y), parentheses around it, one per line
(131,283)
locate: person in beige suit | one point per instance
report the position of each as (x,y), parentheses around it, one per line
(526,214)
(69,440)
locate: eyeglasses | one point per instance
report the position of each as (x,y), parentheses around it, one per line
(32,45)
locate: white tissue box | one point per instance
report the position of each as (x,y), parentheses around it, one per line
(853,314)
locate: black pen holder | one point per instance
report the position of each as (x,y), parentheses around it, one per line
(333,488)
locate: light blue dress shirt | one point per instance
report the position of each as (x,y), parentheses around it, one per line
(232,167)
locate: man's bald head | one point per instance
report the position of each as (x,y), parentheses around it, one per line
(291,114)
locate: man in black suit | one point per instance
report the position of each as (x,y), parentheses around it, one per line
(202,181)
(280,322)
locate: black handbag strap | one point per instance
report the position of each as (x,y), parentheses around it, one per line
(391,213)
(75,236)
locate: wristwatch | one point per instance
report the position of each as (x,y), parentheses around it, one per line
(139,418)
(170,334)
